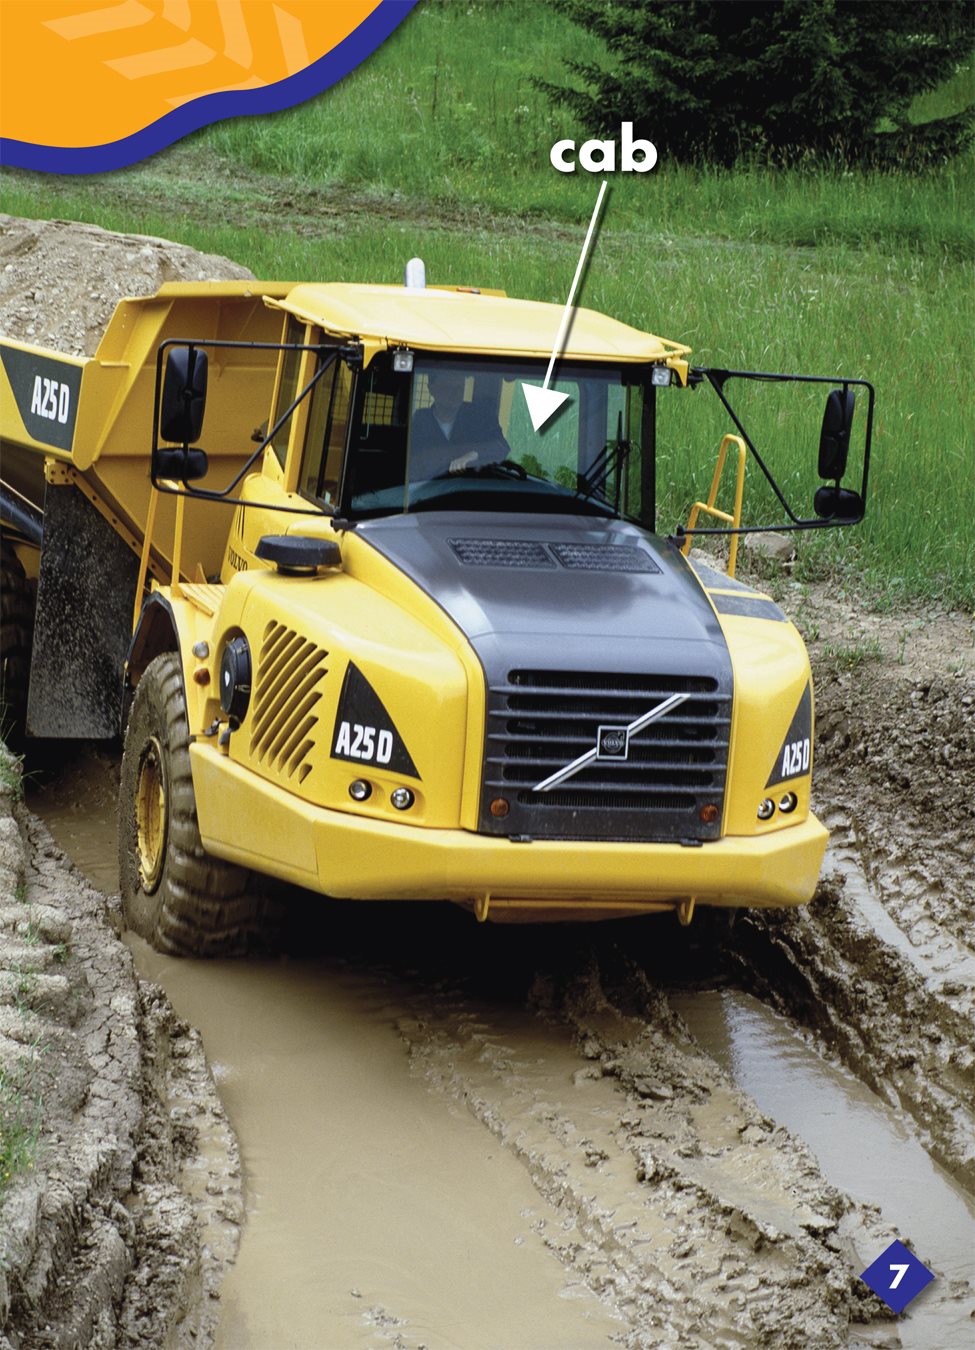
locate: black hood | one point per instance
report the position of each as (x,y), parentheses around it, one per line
(565,580)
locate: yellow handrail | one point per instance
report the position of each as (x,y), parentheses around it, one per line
(734,520)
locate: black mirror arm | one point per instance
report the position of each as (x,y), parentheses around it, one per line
(716,379)
(269,437)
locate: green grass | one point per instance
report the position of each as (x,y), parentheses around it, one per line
(850,657)
(11,774)
(438,146)
(20,1120)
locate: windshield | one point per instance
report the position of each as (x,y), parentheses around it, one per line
(456,435)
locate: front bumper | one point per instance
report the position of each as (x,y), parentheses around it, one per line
(250,821)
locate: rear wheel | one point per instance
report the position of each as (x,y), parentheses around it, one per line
(174,894)
(16,631)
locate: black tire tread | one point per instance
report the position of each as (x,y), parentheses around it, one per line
(203,906)
(16,634)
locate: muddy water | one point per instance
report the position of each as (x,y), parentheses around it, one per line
(375,1213)
(864,1147)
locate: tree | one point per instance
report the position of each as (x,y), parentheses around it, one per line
(715,79)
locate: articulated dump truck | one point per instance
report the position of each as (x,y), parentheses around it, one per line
(364,629)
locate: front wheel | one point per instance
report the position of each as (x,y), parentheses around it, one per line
(174,894)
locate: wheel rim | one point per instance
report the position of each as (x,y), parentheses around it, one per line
(150,816)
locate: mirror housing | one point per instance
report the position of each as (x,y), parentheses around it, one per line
(184,395)
(834,439)
(182,464)
(837,503)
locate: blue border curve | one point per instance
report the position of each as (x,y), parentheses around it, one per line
(200,112)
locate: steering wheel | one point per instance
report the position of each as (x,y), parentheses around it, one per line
(501,468)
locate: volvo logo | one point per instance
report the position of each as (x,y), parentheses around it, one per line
(612,743)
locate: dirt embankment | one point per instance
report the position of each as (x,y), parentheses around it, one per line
(111,1112)
(123,1203)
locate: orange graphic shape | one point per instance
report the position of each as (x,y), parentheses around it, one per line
(84,72)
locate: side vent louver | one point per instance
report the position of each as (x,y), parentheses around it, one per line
(290,669)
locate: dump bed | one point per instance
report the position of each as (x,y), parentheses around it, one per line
(91,418)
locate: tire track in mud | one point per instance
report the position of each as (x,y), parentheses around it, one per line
(698,1221)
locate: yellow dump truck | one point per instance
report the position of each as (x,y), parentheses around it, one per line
(365,629)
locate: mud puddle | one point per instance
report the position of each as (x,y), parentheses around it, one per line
(863,1146)
(375,1214)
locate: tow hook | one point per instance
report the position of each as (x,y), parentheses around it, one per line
(685,911)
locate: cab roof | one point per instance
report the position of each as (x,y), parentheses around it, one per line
(447,320)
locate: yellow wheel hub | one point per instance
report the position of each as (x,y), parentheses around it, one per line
(150,816)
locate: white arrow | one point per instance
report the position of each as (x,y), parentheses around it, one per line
(542,401)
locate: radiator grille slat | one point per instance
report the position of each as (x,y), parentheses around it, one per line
(289,674)
(539,721)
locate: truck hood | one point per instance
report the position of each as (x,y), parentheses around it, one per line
(584,591)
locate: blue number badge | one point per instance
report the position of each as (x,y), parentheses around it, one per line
(897,1276)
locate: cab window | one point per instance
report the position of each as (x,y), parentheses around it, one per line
(294,332)
(328,422)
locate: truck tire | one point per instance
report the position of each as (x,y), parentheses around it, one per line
(16,631)
(174,894)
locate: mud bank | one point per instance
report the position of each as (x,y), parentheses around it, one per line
(116,1227)
(881,966)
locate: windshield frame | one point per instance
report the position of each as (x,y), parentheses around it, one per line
(487,490)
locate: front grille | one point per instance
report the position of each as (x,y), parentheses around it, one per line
(539,721)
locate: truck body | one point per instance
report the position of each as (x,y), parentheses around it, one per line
(420,650)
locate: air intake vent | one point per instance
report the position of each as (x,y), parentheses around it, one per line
(289,671)
(596,558)
(501,553)
(528,553)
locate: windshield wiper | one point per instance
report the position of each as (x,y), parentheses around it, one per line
(611,458)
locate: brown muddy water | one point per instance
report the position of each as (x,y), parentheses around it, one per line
(382,1212)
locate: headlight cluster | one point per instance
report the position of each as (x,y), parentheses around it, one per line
(787,803)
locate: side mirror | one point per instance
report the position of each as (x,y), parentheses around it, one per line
(184,396)
(834,439)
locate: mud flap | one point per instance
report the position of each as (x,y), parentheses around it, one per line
(83,622)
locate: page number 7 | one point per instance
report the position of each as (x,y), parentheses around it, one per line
(901,1272)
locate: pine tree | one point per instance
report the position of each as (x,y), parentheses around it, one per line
(717,79)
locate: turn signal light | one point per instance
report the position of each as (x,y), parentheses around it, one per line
(709,813)
(499,808)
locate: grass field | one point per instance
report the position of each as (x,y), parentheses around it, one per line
(439,144)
